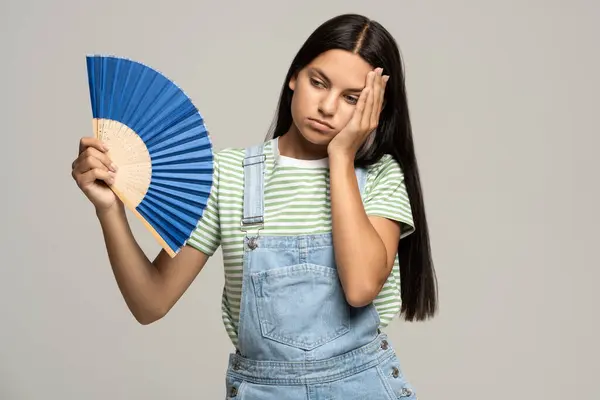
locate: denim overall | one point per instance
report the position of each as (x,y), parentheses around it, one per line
(298,338)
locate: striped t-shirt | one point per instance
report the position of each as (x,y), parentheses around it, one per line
(296,202)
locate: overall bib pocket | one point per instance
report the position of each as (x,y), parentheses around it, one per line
(302,305)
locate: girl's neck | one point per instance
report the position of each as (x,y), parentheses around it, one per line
(293,145)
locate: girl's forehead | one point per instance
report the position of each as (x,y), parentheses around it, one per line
(341,68)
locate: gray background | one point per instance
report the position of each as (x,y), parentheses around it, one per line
(504,98)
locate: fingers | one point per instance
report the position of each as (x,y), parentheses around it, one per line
(93,163)
(384,80)
(367,114)
(377,88)
(378,83)
(360,106)
(90,156)
(370,102)
(87,142)
(90,159)
(86,178)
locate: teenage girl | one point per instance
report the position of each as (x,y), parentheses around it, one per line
(322,228)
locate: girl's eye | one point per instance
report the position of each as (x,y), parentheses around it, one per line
(352,99)
(315,82)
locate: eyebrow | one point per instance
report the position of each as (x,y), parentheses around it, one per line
(326,79)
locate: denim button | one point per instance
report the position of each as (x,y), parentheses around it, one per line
(384,345)
(406,392)
(395,372)
(252,244)
(233,392)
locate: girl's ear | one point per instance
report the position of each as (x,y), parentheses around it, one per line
(292,82)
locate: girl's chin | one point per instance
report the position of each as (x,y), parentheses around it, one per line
(317,137)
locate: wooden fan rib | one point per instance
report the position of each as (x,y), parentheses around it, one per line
(172,251)
(125,146)
(158,225)
(174,231)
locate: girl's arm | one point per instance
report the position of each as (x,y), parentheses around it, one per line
(150,289)
(365,247)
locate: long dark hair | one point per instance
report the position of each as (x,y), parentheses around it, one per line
(370,40)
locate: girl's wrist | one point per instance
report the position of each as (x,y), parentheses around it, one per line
(341,156)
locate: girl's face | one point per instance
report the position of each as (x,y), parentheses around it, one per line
(325,94)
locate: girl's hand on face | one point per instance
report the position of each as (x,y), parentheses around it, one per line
(365,118)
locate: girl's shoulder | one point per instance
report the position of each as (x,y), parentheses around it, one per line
(233,155)
(385,166)
(232,158)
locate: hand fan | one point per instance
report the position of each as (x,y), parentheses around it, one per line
(159,142)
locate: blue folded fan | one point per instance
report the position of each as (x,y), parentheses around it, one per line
(160,143)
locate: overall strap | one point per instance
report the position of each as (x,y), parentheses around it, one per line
(361,176)
(254,167)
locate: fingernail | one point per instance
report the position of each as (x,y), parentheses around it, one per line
(114,167)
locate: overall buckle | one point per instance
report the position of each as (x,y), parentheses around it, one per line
(257,224)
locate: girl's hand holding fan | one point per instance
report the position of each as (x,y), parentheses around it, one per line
(93,171)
